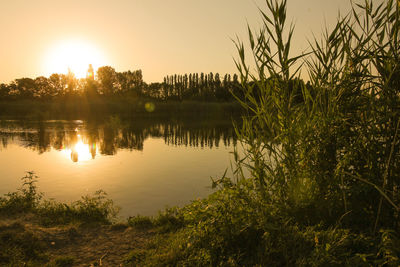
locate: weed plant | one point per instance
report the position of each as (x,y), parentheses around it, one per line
(24,200)
(94,209)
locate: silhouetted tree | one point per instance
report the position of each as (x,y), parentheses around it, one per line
(4,91)
(43,89)
(58,84)
(107,78)
(26,87)
(71,83)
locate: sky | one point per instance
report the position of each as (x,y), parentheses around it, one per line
(160,37)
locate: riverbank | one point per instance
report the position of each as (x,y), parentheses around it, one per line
(35,231)
(232,227)
(82,108)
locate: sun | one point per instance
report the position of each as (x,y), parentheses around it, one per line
(74,55)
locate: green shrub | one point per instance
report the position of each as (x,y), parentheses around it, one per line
(140,222)
(97,208)
(169,220)
(234,227)
(24,200)
(90,209)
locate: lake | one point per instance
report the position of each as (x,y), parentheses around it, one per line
(143,164)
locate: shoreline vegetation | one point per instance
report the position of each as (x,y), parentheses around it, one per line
(323,161)
(42,232)
(122,107)
(35,231)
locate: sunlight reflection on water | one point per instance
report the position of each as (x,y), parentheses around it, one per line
(143,167)
(79,151)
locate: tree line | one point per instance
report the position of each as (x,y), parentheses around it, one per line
(109,83)
(201,86)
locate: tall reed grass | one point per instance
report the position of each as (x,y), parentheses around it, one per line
(334,155)
(323,157)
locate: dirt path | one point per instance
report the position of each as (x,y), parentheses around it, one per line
(105,245)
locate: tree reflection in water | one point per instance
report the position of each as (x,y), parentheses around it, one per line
(82,141)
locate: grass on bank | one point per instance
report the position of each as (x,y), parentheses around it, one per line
(232,227)
(235,227)
(81,108)
(89,209)
(21,246)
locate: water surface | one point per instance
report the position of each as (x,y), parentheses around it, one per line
(144,164)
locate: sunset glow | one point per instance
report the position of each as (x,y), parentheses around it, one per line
(75,55)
